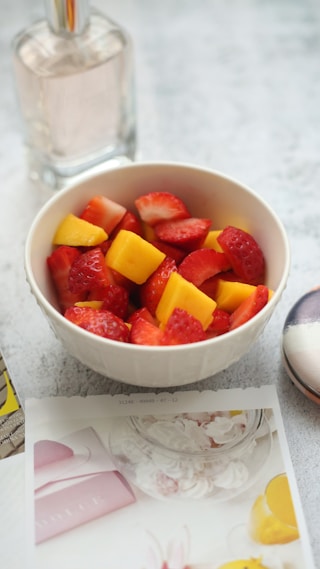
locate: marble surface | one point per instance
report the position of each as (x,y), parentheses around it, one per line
(234,86)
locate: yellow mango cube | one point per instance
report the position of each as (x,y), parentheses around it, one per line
(230,294)
(95,304)
(78,232)
(180,293)
(133,257)
(148,232)
(211,242)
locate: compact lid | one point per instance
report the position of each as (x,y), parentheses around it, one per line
(68,17)
(301,344)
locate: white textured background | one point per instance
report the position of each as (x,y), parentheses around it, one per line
(229,84)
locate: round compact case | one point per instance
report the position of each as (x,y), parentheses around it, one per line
(301,344)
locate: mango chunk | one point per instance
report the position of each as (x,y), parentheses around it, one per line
(230,294)
(96,304)
(211,242)
(133,257)
(77,232)
(180,293)
(149,233)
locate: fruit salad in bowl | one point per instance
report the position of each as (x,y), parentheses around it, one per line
(157,274)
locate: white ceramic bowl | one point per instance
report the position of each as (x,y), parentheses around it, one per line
(208,194)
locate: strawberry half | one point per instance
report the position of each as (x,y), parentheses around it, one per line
(201,264)
(160,206)
(130,222)
(100,322)
(88,271)
(145,333)
(103,212)
(170,250)
(186,233)
(244,254)
(142,313)
(182,328)
(249,307)
(59,264)
(115,298)
(152,289)
(220,323)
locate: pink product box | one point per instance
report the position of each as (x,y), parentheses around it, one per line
(75,481)
(83,501)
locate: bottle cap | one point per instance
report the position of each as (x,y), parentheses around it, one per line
(67,16)
(301,344)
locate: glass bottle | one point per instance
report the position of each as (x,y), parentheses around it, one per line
(74,76)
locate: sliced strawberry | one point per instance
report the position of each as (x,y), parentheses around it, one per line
(104,246)
(103,212)
(88,271)
(231,277)
(101,322)
(130,222)
(209,287)
(145,333)
(249,307)
(152,289)
(142,313)
(182,328)
(244,254)
(160,206)
(170,250)
(123,281)
(201,264)
(115,298)
(59,264)
(220,323)
(186,233)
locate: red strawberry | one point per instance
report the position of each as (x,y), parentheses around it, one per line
(145,333)
(209,287)
(182,328)
(130,222)
(220,323)
(249,307)
(201,264)
(186,233)
(121,280)
(170,250)
(105,246)
(152,289)
(115,298)
(103,212)
(101,322)
(231,276)
(160,206)
(88,271)
(59,264)
(142,313)
(244,254)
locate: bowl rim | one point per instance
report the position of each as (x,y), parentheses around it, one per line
(54,314)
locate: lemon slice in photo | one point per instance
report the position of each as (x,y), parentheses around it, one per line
(244,564)
(273,519)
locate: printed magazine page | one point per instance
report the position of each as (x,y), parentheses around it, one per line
(190,480)
(12,469)
(11,415)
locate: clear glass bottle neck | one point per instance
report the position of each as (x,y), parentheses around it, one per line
(68,17)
